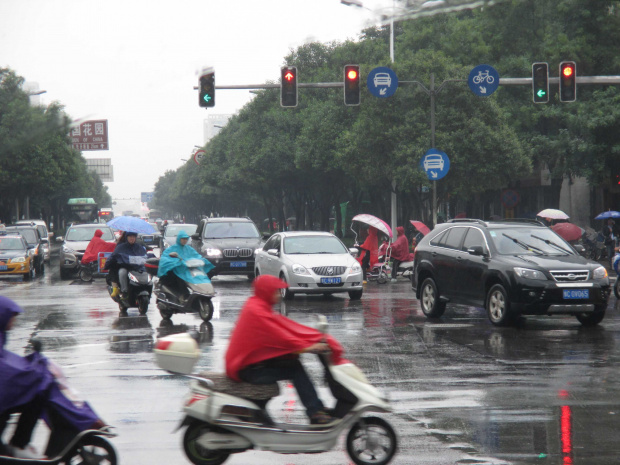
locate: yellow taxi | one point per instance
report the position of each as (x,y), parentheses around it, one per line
(15,257)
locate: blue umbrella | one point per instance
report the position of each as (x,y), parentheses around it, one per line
(131,224)
(608,214)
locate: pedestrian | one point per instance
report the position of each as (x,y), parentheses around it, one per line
(610,234)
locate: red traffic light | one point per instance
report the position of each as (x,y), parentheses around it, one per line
(352,74)
(289,76)
(568,71)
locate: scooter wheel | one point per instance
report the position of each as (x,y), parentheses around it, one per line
(617,288)
(371,441)
(94,450)
(86,275)
(204,308)
(195,452)
(143,304)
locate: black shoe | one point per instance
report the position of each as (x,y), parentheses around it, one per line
(321,418)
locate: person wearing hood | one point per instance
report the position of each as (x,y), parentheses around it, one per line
(265,346)
(400,251)
(172,264)
(371,250)
(28,386)
(125,259)
(95,246)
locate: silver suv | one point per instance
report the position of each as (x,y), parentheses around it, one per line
(74,245)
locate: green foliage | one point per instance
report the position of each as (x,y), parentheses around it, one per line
(36,157)
(321,153)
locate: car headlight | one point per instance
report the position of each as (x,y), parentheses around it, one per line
(599,273)
(356,268)
(530,274)
(300,269)
(18,260)
(66,249)
(214,253)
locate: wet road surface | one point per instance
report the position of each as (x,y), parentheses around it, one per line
(463,391)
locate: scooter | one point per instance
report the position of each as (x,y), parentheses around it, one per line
(89,446)
(94,269)
(139,292)
(616,267)
(224,417)
(186,297)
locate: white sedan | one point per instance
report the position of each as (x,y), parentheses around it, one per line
(311,262)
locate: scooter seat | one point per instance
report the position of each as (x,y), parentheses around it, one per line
(223,383)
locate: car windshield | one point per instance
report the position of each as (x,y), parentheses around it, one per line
(28,234)
(313,245)
(173,230)
(11,243)
(86,234)
(526,241)
(231,230)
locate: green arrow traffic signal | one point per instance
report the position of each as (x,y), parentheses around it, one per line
(541,93)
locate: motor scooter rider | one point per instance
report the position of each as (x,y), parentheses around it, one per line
(28,386)
(121,261)
(265,346)
(172,266)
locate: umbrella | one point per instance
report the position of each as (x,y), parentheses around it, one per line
(568,231)
(131,224)
(552,214)
(420,227)
(374,222)
(608,214)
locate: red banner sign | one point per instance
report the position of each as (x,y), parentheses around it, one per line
(90,135)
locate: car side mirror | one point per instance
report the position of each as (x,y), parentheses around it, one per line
(59,239)
(476,250)
(196,237)
(273,252)
(353,251)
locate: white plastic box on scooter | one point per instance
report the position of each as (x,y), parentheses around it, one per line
(177,353)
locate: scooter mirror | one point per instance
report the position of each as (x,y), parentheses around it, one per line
(322,324)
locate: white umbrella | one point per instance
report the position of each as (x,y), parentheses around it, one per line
(553,214)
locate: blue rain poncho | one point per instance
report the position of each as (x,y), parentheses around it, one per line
(178,266)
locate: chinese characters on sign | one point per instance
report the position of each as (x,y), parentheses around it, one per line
(90,135)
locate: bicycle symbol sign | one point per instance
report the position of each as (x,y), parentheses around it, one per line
(483,80)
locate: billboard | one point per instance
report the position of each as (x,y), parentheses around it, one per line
(90,135)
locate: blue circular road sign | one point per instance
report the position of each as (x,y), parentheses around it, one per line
(382,82)
(435,164)
(483,80)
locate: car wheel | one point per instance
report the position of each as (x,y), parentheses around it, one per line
(617,288)
(286,293)
(498,306)
(594,318)
(30,275)
(356,295)
(432,306)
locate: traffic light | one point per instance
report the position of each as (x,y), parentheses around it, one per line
(288,86)
(540,82)
(206,96)
(352,85)
(568,81)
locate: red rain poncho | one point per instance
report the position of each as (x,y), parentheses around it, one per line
(372,244)
(95,246)
(261,334)
(400,248)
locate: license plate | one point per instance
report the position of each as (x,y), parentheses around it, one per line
(330,280)
(238,264)
(576,293)
(3,267)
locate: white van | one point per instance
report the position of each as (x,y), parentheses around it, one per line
(44,233)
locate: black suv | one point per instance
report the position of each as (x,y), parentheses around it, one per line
(510,268)
(228,243)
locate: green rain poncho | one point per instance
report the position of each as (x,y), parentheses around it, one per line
(185,252)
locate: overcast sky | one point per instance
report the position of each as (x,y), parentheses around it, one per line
(135,63)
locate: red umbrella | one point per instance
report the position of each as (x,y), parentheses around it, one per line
(420,227)
(568,231)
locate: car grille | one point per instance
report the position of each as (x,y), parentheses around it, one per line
(570,276)
(329,270)
(232,253)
